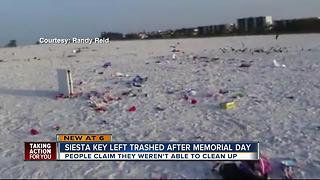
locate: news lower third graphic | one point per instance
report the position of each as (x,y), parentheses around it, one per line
(99,147)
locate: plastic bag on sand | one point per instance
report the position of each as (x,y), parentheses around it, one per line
(174,56)
(276,64)
(119,74)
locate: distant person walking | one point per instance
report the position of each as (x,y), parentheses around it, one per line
(277,36)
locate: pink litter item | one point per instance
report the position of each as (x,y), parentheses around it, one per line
(194,101)
(34,132)
(132,109)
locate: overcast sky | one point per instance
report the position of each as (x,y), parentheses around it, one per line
(27,20)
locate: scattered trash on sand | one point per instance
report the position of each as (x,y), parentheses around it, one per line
(276,64)
(34,132)
(257,169)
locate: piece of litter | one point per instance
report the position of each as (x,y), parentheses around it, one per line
(290,97)
(76,50)
(119,74)
(56,128)
(276,64)
(132,109)
(190,92)
(245,65)
(160,108)
(108,64)
(100,109)
(174,56)
(240,95)
(138,80)
(288,163)
(100,72)
(34,132)
(194,101)
(228,105)
(59,96)
(222,91)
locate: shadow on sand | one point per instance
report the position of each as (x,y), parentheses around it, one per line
(28,93)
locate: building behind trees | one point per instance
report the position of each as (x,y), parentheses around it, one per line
(244,26)
(254,25)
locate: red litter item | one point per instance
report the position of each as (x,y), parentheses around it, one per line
(34,132)
(132,109)
(101,109)
(60,96)
(194,101)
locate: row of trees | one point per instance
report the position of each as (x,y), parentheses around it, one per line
(12,43)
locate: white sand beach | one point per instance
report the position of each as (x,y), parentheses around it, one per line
(277,106)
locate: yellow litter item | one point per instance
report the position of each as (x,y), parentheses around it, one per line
(229,105)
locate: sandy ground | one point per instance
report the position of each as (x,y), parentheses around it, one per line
(279,107)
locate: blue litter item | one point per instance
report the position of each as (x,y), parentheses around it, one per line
(288,163)
(138,80)
(108,64)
